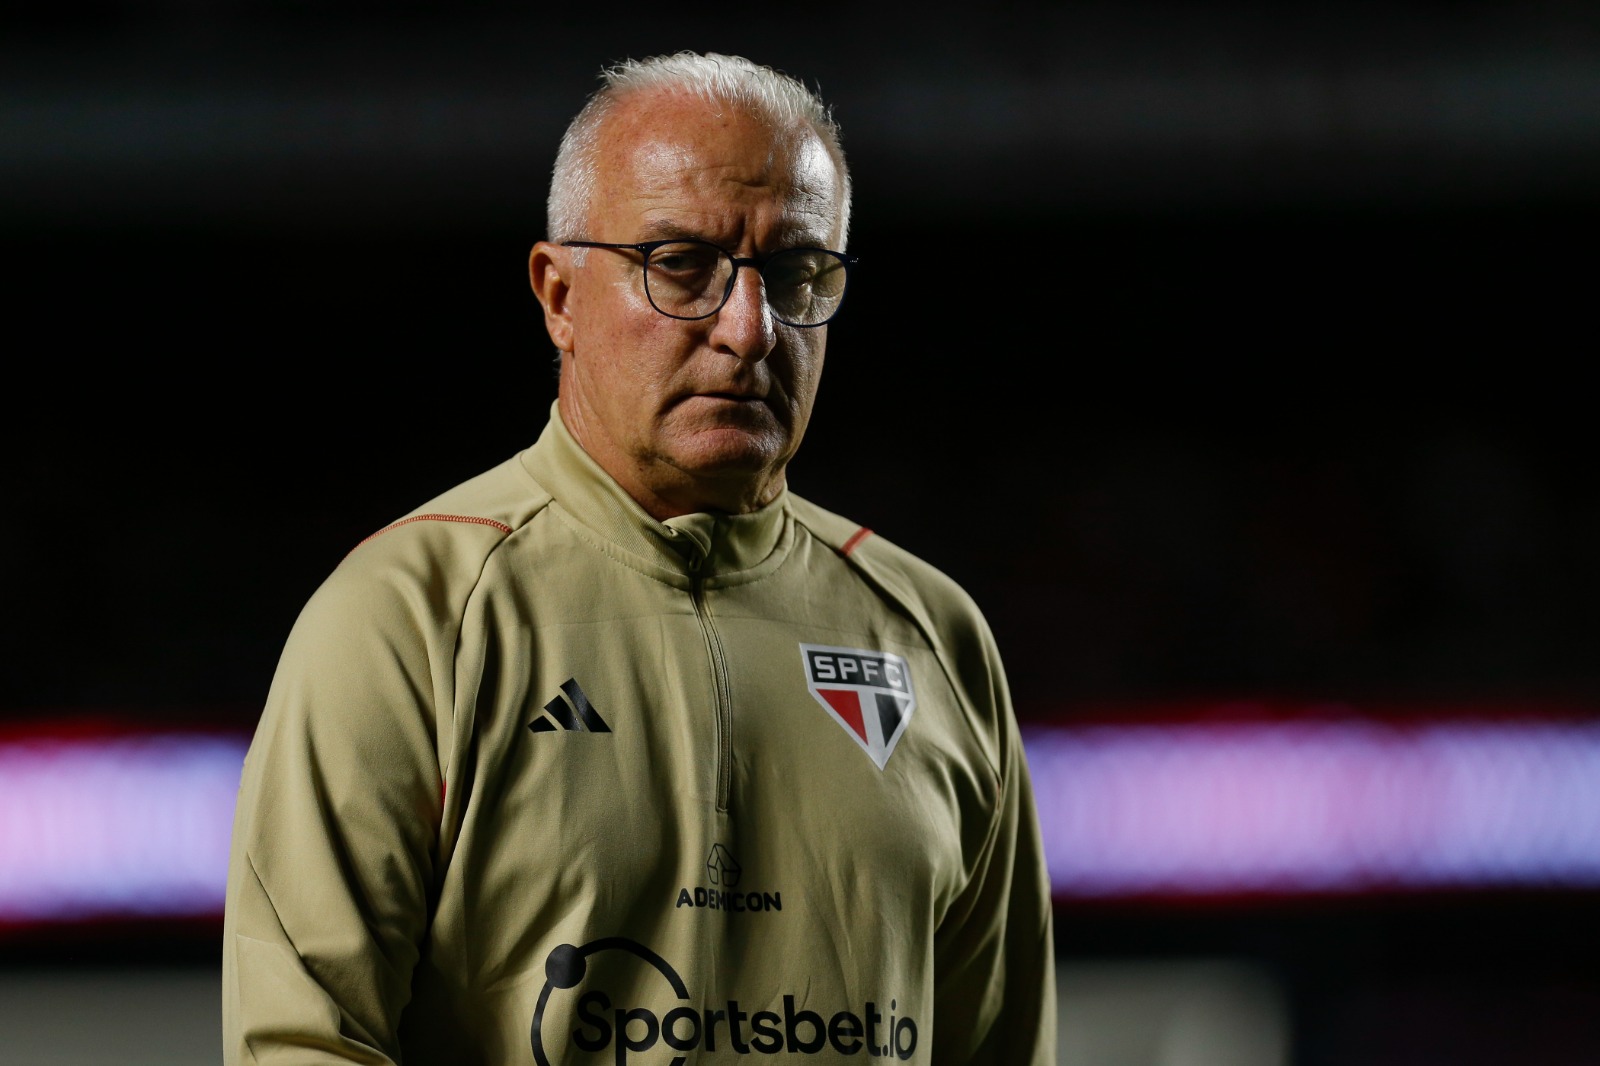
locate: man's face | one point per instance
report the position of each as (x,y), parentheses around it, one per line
(690,415)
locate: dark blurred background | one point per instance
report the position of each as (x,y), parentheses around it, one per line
(1222,351)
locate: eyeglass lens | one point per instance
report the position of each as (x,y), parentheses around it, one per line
(692,279)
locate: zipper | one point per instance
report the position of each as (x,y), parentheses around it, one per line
(719,676)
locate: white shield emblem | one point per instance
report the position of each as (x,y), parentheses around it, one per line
(867,692)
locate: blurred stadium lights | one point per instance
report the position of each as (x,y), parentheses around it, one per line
(115,826)
(121,825)
(347,120)
(1318,806)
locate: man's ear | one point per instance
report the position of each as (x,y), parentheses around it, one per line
(546,273)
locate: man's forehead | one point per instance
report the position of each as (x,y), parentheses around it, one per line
(680,162)
(793,227)
(797,218)
(665,138)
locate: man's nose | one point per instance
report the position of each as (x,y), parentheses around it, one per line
(744,327)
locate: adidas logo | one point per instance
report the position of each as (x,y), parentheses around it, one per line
(579,717)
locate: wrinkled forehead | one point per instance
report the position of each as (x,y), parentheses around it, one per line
(662,155)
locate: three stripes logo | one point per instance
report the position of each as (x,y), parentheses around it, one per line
(867,692)
(574,714)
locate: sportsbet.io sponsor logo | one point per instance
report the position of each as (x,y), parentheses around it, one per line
(729,1028)
(605,1024)
(722,894)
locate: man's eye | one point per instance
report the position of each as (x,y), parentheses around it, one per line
(679,260)
(792,269)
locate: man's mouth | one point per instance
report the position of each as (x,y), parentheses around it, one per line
(734,397)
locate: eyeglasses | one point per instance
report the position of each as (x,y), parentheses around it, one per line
(691,279)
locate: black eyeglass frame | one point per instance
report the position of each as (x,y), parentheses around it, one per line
(647,248)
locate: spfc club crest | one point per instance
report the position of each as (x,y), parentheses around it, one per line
(867,692)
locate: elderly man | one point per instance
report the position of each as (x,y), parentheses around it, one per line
(621,751)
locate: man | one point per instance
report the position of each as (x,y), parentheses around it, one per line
(621,752)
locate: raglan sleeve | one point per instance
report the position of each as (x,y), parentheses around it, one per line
(331,868)
(995,995)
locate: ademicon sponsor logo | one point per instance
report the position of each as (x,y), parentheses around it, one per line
(724,872)
(725,1028)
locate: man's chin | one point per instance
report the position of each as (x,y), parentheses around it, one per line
(728,452)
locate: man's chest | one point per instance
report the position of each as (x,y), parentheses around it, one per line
(721,752)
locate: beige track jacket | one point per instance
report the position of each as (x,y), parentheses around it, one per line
(543,780)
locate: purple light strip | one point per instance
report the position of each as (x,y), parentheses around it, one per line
(134,826)
(1316,807)
(116,827)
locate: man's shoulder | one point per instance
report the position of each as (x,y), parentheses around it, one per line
(949,618)
(416,574)
(442,545)
(483,509)
(898,571)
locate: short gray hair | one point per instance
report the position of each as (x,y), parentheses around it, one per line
(777,97)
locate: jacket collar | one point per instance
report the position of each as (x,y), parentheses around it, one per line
(725,548)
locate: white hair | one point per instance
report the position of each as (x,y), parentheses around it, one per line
(776,97)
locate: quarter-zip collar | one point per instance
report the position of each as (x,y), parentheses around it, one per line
(718,548)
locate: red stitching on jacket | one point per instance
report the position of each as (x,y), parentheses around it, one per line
(855,538)
(467,518)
